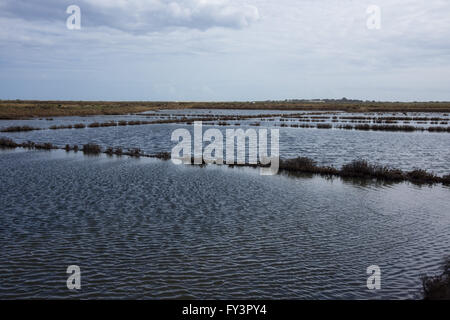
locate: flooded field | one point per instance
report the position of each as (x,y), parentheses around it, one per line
(404,150)
(146,228)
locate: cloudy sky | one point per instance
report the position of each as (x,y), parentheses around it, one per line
(225,50)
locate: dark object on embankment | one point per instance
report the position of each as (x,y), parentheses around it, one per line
(437,287)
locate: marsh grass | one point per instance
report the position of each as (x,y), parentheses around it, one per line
(109,151)
(134,152)
(421,175)
(45,146)
(363,169)
(108,124)
(446,179)
(91,148)
(6,143)
(163,155)
(324,126)
(28,145)
(19,129)
(61,127)
(354,169)
(437,287)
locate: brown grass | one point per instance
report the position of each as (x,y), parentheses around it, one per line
(91,148)
(19,129)
(30,109)
(6,143)
(19,109)
(437,287)
(354,169)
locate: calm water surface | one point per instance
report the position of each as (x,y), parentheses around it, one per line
(144,228)
(149,229)
(403,150)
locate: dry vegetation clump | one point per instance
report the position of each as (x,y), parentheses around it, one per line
(446,179)
(61,127)
(299,164)
(324,126)
(134,152)
(162,155)
(437,287)
(361,168)
(6,143)
(109,151)
(439,129)
(91,148)
(357,168)
(134,123)
(108,124)
(45,146)
(304,164)
(28,145)
(19,129)
(422,176)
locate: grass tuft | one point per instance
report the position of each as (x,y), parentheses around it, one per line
(437,287)
(91,148)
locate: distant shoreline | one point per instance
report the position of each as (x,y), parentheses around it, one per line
(25,109)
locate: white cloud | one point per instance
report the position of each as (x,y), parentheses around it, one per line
(298,48)
(141,16)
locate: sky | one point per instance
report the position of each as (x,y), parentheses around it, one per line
(225,50)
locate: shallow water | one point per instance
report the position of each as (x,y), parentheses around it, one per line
(403,150)
(143,228)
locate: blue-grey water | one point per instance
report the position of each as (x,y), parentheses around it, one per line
(145,228)
(403,150)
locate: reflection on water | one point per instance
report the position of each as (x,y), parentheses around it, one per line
(144,228)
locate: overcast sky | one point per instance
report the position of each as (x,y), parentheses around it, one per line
(225,50)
